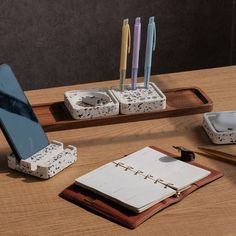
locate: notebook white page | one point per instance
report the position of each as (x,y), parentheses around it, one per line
(134,191)
(161,166)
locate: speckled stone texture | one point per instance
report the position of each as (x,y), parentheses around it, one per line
(80,110)
(141,99)
(216,137)
(47,162)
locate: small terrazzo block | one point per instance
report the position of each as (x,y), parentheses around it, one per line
(80,110)
(38,158)
(226,137)
(141,99)
(47,162)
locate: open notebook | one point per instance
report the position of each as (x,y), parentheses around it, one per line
(142,179)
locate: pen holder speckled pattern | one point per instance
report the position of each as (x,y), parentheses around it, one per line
(227,137)
(80,110)
(47,162)
(140,99)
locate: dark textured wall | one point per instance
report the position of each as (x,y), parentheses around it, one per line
(61,42)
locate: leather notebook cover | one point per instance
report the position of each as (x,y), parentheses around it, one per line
(120,214)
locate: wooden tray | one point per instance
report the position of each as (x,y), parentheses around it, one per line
(180,101)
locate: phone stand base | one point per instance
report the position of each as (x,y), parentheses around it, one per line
(140,100)
(47,162)
(217,137)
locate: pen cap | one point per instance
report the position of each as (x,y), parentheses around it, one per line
(151,19)
(125,44)
(137,20)
(136,42)
(125,22)
(151,41)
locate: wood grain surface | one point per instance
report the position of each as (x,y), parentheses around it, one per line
(30,206)
(181,101)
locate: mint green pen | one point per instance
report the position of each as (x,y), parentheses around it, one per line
(150,46)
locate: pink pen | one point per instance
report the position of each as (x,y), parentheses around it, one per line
(136,49)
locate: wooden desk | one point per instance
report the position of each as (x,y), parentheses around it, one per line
(31,206)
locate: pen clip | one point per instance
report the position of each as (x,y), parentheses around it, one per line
(139,46)
(129,39)
(138,25)
(154,36)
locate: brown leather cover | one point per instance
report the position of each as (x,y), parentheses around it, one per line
(120,214)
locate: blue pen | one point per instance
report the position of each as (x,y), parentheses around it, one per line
(150,46)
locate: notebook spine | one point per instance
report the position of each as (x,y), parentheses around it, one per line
(146,176)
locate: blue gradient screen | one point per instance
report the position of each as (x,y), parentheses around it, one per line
(18,121)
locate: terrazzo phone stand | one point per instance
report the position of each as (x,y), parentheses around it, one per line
(141,99)
(47,162)
(91,103)
(220,126)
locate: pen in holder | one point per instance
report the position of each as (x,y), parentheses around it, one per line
(47,162)
(141,99)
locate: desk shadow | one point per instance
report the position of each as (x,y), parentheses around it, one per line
(199,135)
(211,156)
(125,139)
(23,177)
(218,162)
(4,169)
(175,132)
(167,159)
(205,141)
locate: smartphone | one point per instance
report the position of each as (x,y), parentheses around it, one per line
(18,122)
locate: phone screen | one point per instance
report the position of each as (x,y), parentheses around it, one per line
(18,121)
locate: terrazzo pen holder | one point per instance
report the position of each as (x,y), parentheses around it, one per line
(91,103)
(47,162)
(227,135)
(141,99)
